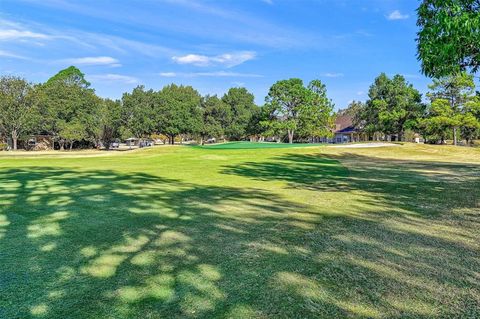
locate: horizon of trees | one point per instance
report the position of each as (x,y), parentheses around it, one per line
(394,106)
(66,108)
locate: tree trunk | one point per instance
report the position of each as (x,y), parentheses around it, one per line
(399,136)
(71,145)
(455,136)
(14,139)
(290,136)
(172,139)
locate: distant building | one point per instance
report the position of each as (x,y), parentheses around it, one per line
(345,131)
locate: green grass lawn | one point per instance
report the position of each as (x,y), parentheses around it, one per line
(190,232)
(252,145)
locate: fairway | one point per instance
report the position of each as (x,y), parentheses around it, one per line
(252,145)
(242,231)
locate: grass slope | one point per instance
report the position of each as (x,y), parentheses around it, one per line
(274,233)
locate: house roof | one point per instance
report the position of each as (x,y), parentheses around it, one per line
(344,124)
(349,129)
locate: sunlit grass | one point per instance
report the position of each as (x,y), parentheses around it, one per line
(241,232)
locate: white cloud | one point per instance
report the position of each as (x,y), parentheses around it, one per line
(168,74)
(34,34)
(332,75)
(397,15)
(14,34)
(113,78)
(227,59)
(210,74)
(99,60)
(195,59)
(7,54)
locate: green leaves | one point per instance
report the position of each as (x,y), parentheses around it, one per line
(242,107)
(216,116)
(448,41)
(453,106)
(139,112)
(70,76)
(18,107)
(296,108)
(178,110)
(393,106)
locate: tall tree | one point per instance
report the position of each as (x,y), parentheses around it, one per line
(457,90)
(17,107)
(110,118)
(441,119)
(242,105)
(67,98)
(178,111)
(470,120)
(139,113)
(316,116)
(393,106)
(215,117)
(73,131)
(469,127)
(285,99)
(449,37)
(295,108)
(255,126)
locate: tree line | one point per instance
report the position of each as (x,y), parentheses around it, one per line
(67,108)
(394,106)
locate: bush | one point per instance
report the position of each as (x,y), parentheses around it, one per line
(3,146)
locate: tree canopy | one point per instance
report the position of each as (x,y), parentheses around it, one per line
(17,107)
(453,107)
(294,108)
(449,37)
(394,105)
(178,111)
(242,106)
(68,101)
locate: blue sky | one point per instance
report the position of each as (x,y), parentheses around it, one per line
(212,45)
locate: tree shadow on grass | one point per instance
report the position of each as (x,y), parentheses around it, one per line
(99,244)
(417,223)
(435,186)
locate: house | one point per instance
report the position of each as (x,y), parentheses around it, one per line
(345,131)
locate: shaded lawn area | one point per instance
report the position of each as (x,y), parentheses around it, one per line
(192,233)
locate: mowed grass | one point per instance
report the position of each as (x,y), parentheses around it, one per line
(183,232)
(255,145)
